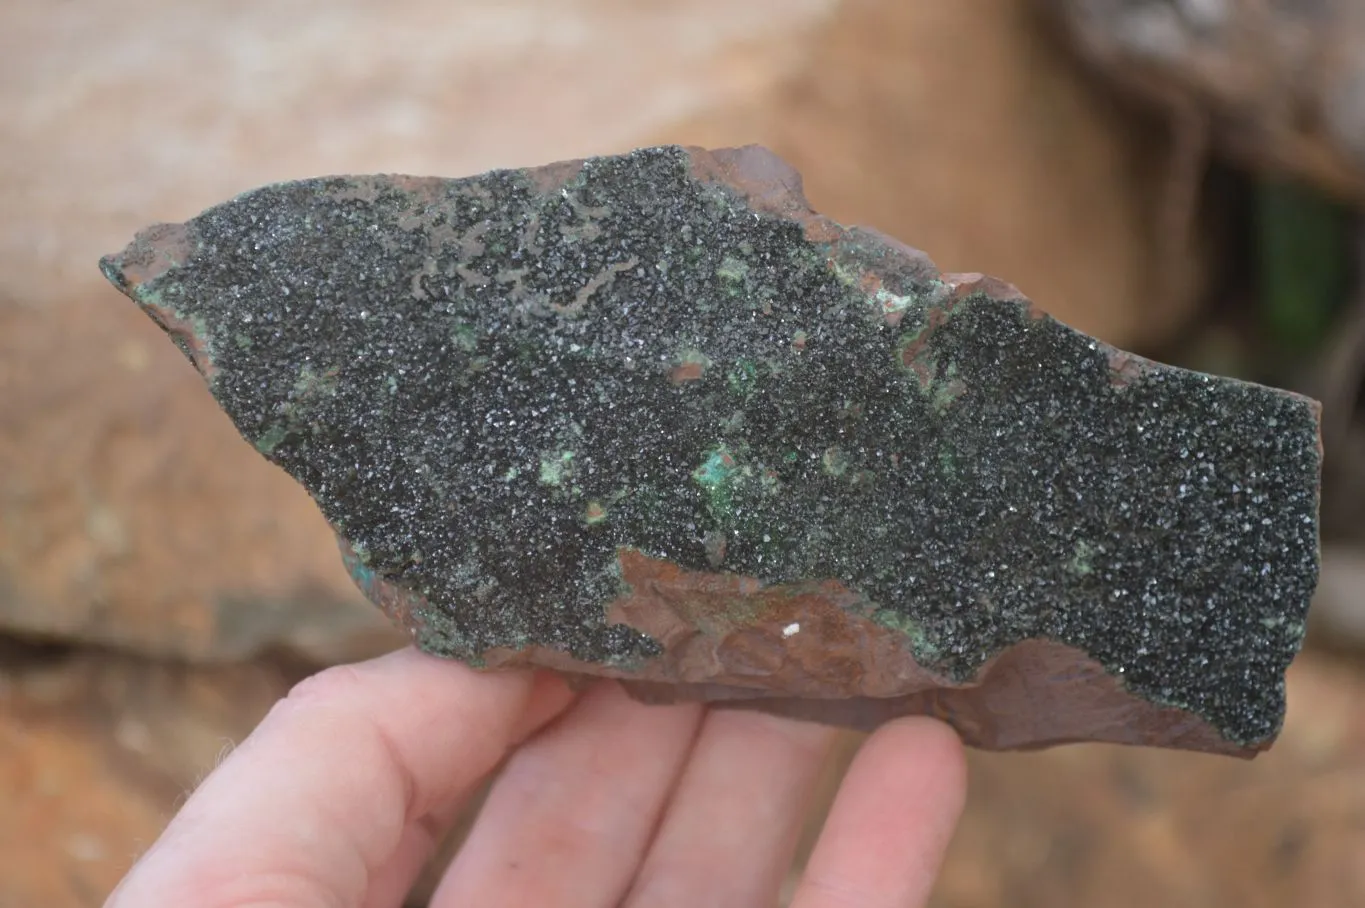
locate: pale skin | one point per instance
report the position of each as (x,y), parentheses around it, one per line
(344,790)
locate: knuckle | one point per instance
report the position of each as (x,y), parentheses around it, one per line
(339,682)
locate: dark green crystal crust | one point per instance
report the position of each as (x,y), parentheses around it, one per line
(489,385)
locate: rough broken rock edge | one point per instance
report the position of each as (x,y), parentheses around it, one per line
(695,614)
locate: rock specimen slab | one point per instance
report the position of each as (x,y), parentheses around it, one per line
(650,417)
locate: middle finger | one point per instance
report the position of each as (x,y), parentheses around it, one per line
(729,834)
(568,819)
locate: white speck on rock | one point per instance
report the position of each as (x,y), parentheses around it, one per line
(792,629)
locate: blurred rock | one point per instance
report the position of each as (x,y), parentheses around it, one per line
(1338,379)
(1278,85)
(99,750)
(1095,824)
(130,515)
(1017,164)
(1337,615)
(1098,825)
(130,512)
(137,109)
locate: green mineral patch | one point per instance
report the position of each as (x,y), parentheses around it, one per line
(717,475)
(464,336)
(718,467)
(555,468)
(1081,563)
(922,647)
(945,388)
(743,378)
(947,462)
(312,383)
(834,461)
(271,438)
(733,271)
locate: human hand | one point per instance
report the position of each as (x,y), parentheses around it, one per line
(349,784)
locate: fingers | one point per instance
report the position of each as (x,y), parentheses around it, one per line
(732,825)
(342,785)
(891,822)
(424,835)
(569,818)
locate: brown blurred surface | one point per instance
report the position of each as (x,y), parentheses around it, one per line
(99,749)
(1279,85)
(132,514)
(965,129)
(1096,824)
(133,518)
(96,752)
(1100,825)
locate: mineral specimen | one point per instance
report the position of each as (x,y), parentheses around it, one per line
(650,417)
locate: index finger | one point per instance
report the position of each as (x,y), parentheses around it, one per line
(317,803)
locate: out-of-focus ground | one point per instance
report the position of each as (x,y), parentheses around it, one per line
(161,585)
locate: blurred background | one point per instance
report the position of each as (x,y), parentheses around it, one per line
(1184,178)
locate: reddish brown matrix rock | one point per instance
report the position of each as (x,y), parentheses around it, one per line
(652,418)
